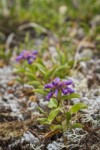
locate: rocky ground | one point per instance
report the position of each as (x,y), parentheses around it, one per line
(19,129)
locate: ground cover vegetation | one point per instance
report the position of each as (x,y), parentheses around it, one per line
(49,74)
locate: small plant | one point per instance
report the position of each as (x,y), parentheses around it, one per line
(61,116)
(30,56)
(36,72)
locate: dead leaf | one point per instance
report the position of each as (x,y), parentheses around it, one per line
(11,83)
(51,133)
(2,64)
(33,98)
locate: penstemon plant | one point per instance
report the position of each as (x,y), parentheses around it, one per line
(35,72)
(60,115)
(26,70)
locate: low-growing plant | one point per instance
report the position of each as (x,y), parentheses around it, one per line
(60,115)
(37,72)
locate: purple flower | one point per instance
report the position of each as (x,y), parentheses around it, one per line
(65,87)
(30,56)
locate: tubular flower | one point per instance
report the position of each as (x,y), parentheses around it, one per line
(30,56)
(56,86)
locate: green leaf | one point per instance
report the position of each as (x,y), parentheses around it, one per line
(68,117)
(71,63)
(20,70)
(41,110)
(53,103)
(35,83)
(77,125)
(70,96)
(75,108)
(40,91)
(50,73)
(31,68)
(43,120)
(53,114)
(64,125)
(60,69)
(19,79)
(56,127)
(41,68)
(40,61)
(31,76)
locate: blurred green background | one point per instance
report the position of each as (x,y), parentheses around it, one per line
(22,21)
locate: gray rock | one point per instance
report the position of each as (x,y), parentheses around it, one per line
(55,146)
(29,137)
(96,21)
(43,102)
(32,106)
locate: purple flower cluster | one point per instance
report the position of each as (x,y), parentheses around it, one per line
(65,87)
(30,56)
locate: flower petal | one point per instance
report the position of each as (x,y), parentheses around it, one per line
(30,61)
(50,94)
(18,58)
(56,81)
(47,86)
(56,93)
(70,90)
(34,57)
(69,82)
(64,91)
(35,52)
